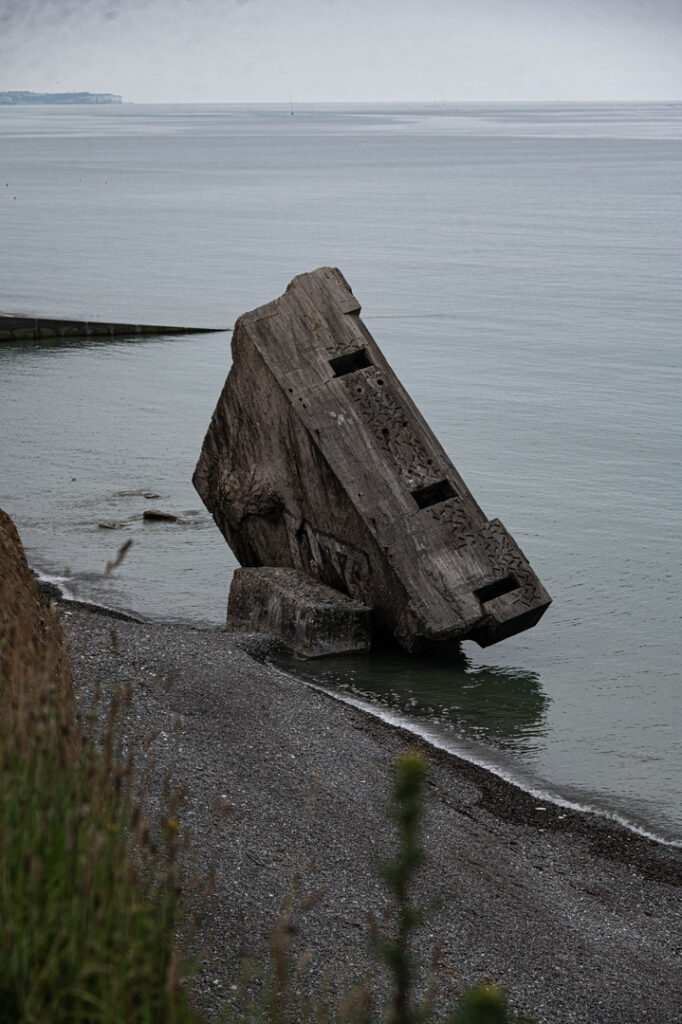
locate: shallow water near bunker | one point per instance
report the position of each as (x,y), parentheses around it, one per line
(518,265)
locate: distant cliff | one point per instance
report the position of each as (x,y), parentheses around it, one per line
(59,97)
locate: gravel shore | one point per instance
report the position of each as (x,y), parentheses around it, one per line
(576,917)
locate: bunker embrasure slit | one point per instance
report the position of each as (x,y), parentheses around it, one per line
(350,362)
(497,589)
(433,494)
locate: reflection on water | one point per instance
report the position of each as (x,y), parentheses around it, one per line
(20,347)
(503,707)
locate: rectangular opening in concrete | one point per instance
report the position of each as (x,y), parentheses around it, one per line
(497,589)
(433,494)
(351,362)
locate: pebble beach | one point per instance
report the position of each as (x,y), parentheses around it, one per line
(286,792)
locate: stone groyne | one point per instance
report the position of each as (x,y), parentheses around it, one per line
(22,328)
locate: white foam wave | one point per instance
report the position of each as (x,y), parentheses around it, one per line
(68,595)
(57,581)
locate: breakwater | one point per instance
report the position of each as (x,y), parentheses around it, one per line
(25,328)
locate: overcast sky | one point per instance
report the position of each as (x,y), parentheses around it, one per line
(346,50)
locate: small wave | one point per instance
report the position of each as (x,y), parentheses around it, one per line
(56,581)
(68,595)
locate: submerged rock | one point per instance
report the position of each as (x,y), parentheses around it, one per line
(136,494)
(317,459)
(155,514)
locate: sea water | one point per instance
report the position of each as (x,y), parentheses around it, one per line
(518,265)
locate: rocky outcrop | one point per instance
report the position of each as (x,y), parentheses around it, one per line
(317,459)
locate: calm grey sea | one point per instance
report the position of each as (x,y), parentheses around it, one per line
(519,265)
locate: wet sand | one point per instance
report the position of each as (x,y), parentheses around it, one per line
(576,917)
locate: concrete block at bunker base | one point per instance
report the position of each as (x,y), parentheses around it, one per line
(309,617)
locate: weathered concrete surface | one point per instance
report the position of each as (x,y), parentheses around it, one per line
(310,618)
(24,328)
(317,458)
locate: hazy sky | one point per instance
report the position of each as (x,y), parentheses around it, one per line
(269,50)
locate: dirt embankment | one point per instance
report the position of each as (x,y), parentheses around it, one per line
(34,670)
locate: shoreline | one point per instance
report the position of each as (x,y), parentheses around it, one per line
(562,806)
(511,802)
(576,916)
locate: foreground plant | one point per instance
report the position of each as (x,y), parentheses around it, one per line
(399,874)
(88,904)
(484,1004)
(86,929)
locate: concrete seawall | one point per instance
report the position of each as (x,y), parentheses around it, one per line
(23,328)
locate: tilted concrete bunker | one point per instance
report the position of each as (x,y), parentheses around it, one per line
(316,458)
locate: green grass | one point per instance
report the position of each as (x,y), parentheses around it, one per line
(88,908)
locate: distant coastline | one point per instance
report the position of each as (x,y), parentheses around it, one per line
(22,97)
